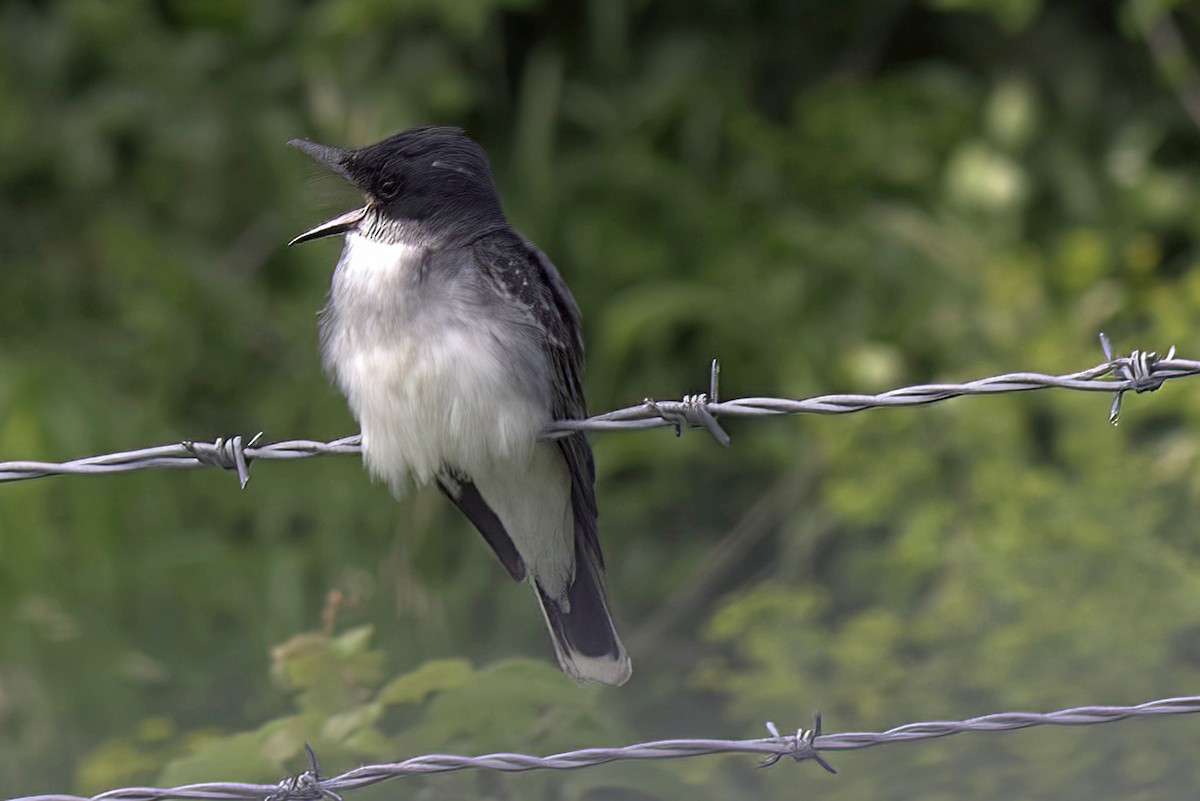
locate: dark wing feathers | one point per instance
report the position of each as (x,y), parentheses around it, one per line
(466,497)
(529,277)
(566,354)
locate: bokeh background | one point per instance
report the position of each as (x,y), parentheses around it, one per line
(828,196)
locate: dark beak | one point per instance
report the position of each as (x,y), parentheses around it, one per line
(331,157)
(335,160)
(338,225)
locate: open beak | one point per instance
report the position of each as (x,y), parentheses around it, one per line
(334,159)
(338,225)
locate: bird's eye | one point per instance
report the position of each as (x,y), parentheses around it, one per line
(387,189)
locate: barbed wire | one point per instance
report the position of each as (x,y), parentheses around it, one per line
(231,454)
(805,744)
(1141,371)
(1138,372)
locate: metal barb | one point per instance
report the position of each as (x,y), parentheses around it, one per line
(306,786)
(695,411)
(1137,369)
(311,757)
(229,454)
(692,411)
(671,418)
(1144,379)
(816,732)
(773,758)
(799,747)
(1114,412)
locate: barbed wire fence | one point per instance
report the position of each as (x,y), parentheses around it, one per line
(1141,371)
(805,744)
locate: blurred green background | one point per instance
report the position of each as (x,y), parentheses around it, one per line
(828,196)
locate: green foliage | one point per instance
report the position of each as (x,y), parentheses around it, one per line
(343,709)
(827,196)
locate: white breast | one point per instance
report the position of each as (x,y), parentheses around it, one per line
(424,373)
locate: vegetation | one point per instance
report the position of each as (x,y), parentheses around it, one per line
(827,196)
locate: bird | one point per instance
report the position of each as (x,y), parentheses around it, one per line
(455,342)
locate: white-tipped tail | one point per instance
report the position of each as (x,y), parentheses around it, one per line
(585,640)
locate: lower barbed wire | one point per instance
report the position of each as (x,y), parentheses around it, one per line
(805,745)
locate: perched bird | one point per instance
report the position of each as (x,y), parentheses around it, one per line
(456,342)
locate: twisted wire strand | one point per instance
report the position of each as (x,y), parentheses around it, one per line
(1141,371)
(804,745)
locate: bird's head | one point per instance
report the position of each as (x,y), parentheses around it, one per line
(430,179)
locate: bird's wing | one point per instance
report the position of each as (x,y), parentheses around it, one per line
(463,492)
(568,403)
(531,280)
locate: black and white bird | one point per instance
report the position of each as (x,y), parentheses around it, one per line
(456,342)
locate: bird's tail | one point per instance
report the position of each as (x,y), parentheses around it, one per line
(585,641)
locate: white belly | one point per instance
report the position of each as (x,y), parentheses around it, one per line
(426,378)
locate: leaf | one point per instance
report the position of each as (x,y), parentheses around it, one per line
(430,677)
